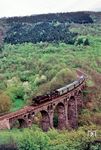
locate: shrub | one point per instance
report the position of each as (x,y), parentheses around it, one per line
(65,76)
(40,79)
(33,140)
(82,41)
(16,92)
(5,103)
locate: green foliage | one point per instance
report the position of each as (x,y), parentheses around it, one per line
(82,41)
(63,77)
(95,146)
(27,69)
(40,32)
(16,92)
(55,120)
(90,83)
(40,79)
(35,139)
(18,104)
(30,69)
(44,28)
(5,103)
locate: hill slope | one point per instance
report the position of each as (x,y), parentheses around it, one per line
(66,41)
(46,27)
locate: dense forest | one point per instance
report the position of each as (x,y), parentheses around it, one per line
(41,28)
(39,54)
(76,17)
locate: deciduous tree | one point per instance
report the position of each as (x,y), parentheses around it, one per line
(5,103)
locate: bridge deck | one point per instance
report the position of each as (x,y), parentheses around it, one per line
(17,113)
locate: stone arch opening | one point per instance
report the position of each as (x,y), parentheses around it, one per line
(22,123)
(45,121)
(29,116)
(59,120)
(18,123)
(50,107)
(72,112)
(36,118)
(41,119)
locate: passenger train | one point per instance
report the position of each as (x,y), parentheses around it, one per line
(58,92)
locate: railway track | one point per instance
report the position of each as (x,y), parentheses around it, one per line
(17,113)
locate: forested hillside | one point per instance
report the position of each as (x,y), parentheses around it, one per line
(76,17)
(41,28)
(41,53)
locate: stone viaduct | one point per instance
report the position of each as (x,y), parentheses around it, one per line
(64,109)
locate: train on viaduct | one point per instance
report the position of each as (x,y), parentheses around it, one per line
(66,102)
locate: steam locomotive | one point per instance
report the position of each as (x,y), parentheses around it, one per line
(58,92)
